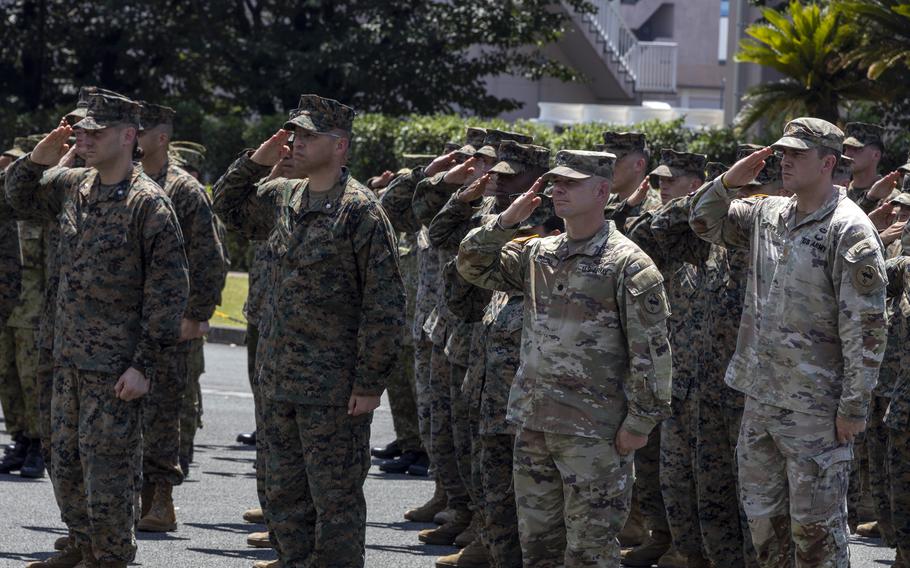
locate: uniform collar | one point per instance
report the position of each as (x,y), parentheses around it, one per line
(593,247)
(788,214)
(96,193)
(326,202)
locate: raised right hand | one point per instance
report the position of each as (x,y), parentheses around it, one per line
(272,150)
(462,173)
(883,187)
(746,169)
(53,147)
(522,207)
(440,164)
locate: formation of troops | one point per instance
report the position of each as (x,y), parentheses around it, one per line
(597,363)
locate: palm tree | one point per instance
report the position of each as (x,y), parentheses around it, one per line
(807,44)
(886,43)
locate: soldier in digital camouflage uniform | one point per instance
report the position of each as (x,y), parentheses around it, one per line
(450,425)
(518,166)
(207,268)
(679,173)
(810,342)
(630,170)
(122,291)
(864,146)
(10,286)
(397,201)
(897,418)
(329,332)
(595,366)
(402,387)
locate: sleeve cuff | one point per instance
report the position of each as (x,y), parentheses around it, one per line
(638,425)
(850,411)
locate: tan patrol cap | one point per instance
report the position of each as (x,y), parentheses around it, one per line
(807,133)
(581,164)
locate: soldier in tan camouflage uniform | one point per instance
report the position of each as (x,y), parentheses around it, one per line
(679,172)
(810,342)
(122,291)
(595,362)
(328,335)
(207,268)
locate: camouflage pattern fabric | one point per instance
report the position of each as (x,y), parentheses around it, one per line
(676,164)
(793,313)
(96,455)
(191,407)
(806,133)
(258,276)
(859,134)
(161,423)
(573,496)
(793,478)
(152,115)
(623,143)
(497,505)
(319,114)
(581,164)
(18,380)
(109,110)
(625,215)
(678,485)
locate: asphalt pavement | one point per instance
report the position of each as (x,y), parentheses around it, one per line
(222,485)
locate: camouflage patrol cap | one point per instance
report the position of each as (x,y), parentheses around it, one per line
(13,153)
(902,199)
(411,161)
(675,164)
(622,143)
(319,114)
(806,133)
(187,158)
(450,147)
(494,138)
(106,110)
(843,168)
(858,134)
(82,103)
(153,115)
(473,140)
(516,158)
(768,174)
(194,146)
(714,170)
(581,164)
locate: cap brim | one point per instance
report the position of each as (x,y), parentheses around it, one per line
(508,168)
(666,171)
(89,123)
(467,150)
(75,116)
(13,153)
(487,151)
(905,168)
(793,143)
(564,172)
(301,121)
(854,142)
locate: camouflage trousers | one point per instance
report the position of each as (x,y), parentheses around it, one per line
(464,431)
(573,497)
(899,475)
(191,405)
(647,483)
(493,472)
(18,375)
(252,342)
(423,351)
(442,443)
(724,529)
(97,456)
(318,459)
(793,476)
(877,435)
(402,399)
(161,421)
(45,392)
(677,476)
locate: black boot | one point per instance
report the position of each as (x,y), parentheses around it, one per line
(402,462)
(15,453)
(33,467)
(247,439)
(387,452)
(421,467)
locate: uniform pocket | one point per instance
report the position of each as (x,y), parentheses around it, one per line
(830,485)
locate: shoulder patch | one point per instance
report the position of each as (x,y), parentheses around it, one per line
(643,279)
(864,266)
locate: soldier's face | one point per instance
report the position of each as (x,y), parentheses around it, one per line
(483,164)
(572,198)
(313,151)
(627,171)
(901,213)
(105,145)
(153,141)
(801,169)
(677,186)
(863,158)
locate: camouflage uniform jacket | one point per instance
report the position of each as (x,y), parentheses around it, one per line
(27,313)
(51,286)
(123,283)
(891,364)
(258,276)
(446,231)
(397,201)
(813,330)
(723,284)
(10,275)
(898,416)
(624,215)
(334,309)
(204,249)
(594,349)
(685,291)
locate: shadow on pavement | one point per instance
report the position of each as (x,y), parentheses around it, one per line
(233,528)
(415,549)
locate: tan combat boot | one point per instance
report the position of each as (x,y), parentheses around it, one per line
(634,533)
(470,534)
(267,564)
(161,516)
(426,512)
(259,540)
(69,557)
(673,559)
(255,516)
(868,530)
(650,552)
(446,534)
(474,555)
(146,498)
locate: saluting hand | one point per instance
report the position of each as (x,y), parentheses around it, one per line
(272,150)
(638,196)
(746,169)
(462,173)
(883,187)
(523,206)
(475,190)
(440,164)
(53,146)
